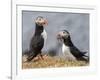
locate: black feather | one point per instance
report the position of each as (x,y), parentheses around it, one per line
(36,44)
(74,50)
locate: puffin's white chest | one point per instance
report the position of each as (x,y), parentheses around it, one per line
(44,34)
(67,53)
(65,49)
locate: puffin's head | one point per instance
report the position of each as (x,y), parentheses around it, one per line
(64,34)
(41,21)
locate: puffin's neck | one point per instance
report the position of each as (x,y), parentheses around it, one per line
(38,29)
(68,42)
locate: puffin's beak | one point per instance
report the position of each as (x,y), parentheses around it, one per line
(59,37)
(45,22)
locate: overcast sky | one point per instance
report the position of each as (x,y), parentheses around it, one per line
(76,23)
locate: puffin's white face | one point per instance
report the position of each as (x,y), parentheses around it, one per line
(41,21)
(63,34)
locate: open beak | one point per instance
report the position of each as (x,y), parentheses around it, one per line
(45,22)
(59,37)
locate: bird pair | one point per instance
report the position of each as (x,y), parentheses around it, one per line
(39,38)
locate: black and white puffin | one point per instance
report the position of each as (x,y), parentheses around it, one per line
(38,40)
(68,48)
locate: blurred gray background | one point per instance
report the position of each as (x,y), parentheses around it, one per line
(76,23)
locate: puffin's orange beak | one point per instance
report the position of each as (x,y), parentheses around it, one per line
(45,22)
(59,36)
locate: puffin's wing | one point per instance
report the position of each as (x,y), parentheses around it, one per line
(76,52)
(37,43)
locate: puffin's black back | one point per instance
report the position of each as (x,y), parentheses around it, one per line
(73,49)
(37,43)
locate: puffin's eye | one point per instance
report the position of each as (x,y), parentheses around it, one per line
(64,32)
(39,19)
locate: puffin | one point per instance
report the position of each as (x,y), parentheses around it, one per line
(38,40)
(69,50)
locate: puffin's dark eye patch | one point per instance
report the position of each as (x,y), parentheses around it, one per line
(39,19)
(64,32)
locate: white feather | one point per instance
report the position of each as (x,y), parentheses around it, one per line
(44,35)
(67,53)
